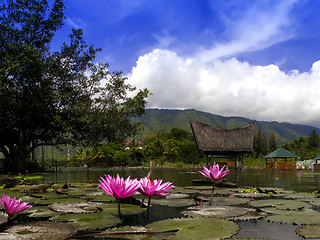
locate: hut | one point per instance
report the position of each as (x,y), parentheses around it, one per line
(230,143)
(281,153)
(317,163)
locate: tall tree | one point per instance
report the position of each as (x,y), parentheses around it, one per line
(260,143)
(56,98)
(272,141)
(314,140)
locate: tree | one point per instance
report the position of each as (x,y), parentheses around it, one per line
(260,143)
(272,141)
(56,98)
(314,140)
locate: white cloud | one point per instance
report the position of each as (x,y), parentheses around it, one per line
(229,88)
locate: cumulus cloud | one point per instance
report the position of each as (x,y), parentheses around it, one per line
(229,87)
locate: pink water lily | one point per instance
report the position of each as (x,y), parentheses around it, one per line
(118,187)
(12,206)
(214,173)
(153,188)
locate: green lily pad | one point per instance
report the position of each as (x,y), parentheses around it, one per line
(183,190)
(3,218)
(126,209)
(304,216)
(83,221)
(173,202)
(309,231)
(99,198)
(39,230)
(304,196)
(177,196)
(215,211)
(196,228)
(280,204)
(57,200)
(252,214)
(230,201)
(42,211)
(84,207)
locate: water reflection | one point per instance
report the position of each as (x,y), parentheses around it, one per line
(306,181)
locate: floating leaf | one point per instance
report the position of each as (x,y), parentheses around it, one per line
(304,196)
(84,207)
(99,220)
(126,209)
(280,204)
(43,211)
(57,200)
(39,230)
(99,198)
(177,196)
(230,201)
(305,216)
(173,202)
(252,214)
(215,211)
(309,231)
(196,228)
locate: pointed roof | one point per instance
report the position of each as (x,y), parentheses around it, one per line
(211,140)
(281,153)
(317,158)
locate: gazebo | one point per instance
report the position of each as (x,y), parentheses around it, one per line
(317,162)
(277,154)
(230,143)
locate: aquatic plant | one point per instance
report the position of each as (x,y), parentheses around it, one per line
(214,173)
(12,206)
(118,187)
(153,188)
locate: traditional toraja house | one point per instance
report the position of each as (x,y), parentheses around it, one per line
(281,153)
(232,143)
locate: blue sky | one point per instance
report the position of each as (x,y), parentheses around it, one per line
(255,59)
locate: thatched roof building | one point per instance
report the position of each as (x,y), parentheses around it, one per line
(214,141)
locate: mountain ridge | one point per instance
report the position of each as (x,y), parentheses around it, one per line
(164,119)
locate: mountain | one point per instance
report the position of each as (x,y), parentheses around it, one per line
(164,119)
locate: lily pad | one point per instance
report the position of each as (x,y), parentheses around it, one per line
(305,216)
(177,195)
(252,214)
(3,218)
(126,209)
(39,230)
(304,196)
(42,211)
(309,231)
(57,200)
(215,211)
(84,207)
(230,201)
(99,198)
(196,228)
(280,204)
(83,221)
(173,202)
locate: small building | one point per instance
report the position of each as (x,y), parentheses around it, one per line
(284,154)
(316,163)
(232,143)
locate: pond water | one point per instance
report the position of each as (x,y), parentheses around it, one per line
(301,181)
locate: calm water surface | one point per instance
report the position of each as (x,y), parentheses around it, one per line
(302,181)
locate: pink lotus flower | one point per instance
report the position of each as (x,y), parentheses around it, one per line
(118,187)
(214,173)
(12,206)
(152,188)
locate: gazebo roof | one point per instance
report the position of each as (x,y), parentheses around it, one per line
(317,158)
(211,140)
(281,153)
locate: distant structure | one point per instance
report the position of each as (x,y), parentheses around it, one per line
(230,143)
(281,153)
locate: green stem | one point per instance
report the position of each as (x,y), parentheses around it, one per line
(149,200)
(212,194)
(119,212)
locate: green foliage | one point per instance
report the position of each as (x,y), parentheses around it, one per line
(56,98)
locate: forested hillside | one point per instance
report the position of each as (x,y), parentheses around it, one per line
(163,120)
